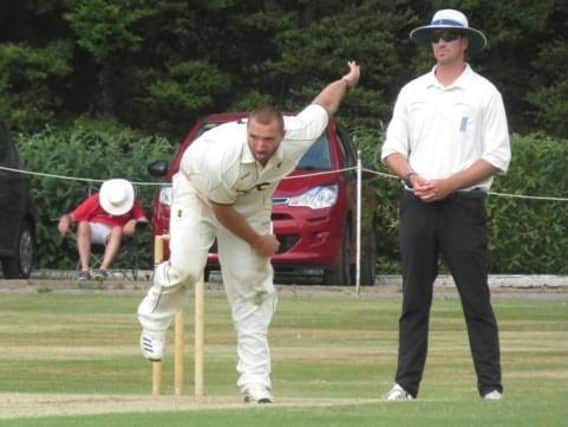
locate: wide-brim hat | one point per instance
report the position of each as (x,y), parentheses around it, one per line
(116,196)
(450,19)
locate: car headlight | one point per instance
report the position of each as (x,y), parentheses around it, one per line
(316,198)
(166,195)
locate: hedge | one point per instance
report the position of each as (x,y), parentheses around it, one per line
(527,236)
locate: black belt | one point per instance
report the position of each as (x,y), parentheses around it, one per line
(476,192)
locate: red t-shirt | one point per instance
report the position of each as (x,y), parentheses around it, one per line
(90,210)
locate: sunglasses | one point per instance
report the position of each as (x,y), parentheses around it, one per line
(447,36)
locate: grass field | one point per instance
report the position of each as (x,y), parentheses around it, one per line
(333,357)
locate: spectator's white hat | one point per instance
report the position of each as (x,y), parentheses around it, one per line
(450,19)
(116,196)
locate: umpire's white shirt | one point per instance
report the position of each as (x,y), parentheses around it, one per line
(222,169)
(443,130)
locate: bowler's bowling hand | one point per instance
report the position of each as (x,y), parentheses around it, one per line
(352,77)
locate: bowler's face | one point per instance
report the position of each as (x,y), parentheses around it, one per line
(263,140)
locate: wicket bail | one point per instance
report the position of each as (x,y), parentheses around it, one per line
(179,337)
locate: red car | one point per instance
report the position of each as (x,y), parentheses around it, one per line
(313,216)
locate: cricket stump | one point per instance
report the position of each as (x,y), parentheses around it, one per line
(179,342)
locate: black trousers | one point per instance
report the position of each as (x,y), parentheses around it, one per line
(456,229)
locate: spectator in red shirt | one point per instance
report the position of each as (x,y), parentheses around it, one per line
(104,218)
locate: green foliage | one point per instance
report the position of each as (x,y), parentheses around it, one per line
(93,150)
(531,236)
(29,78)
(132,57)
(104,27)
(311,55)
(187,91)
(251,100)
(550,99)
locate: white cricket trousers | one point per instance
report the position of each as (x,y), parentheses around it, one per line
(247,278)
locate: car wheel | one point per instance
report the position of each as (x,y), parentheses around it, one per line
(340,272)
(369,259)
(20,266)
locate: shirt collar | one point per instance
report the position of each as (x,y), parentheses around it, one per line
(460,82)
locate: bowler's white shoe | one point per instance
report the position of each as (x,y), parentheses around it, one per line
(493,395)
(152,345)
(397,393)
(257,393)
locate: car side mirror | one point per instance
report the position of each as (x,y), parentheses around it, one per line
(158,168)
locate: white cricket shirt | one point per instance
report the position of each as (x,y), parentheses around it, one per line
(444,130)
(222,169)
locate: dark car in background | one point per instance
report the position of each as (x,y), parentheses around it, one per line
(313,213)
(17,221)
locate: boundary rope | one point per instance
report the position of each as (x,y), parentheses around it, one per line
(335,171)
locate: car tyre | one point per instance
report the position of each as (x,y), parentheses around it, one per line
(20,265)
(341,272)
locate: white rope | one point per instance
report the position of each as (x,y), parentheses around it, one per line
(384,175)
(70,178)
(522,196)
(335,171)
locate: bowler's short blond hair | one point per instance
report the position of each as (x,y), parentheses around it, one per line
(266,115)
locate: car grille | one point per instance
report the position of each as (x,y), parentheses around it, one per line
(286,242)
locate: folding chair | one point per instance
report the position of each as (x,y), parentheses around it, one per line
(128,245)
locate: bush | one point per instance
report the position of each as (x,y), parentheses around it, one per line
(96,150)
(528,235)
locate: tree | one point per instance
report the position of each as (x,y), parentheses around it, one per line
(312,53)
(32,83)
(105,29)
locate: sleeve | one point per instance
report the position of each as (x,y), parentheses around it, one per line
(307,125)
(397,137)
(496,144)
(86,208)
(138,210)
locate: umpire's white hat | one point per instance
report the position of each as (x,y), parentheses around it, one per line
(450,19)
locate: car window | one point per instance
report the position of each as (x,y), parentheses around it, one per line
(318,156)
(205,128)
